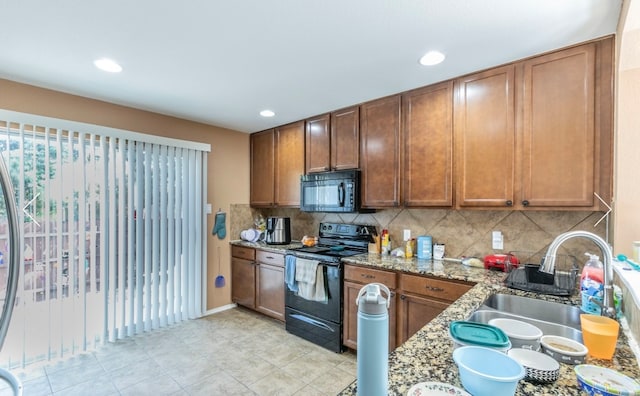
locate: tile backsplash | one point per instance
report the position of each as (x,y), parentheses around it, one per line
(464,232)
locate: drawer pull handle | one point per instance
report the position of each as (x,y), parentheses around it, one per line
(368,276)
(435,289)
(270,257)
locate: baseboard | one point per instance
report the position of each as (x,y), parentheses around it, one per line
(219,309)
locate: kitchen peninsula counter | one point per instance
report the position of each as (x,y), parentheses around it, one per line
(427,355)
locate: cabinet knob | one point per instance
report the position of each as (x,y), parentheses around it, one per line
(509,203)
(525,203)
(402,297)
(327,168)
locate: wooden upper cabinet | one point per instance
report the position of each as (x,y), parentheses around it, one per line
(428,146)
(317,144)
(262,168)
(558,128)
(277,161)
(332,141)
(485,138)
(380,152)
(345,138)
(289,163)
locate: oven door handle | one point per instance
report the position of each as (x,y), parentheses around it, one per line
(312,322)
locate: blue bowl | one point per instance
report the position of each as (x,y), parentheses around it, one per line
(602,381)
(487,372)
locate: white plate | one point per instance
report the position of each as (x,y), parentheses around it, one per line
(534,360)
(435,389)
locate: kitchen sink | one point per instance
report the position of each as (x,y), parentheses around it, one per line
(552,318)
(541,310)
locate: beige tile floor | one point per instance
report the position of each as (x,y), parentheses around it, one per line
(235,352)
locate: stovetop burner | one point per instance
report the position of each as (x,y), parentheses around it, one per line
(336,241)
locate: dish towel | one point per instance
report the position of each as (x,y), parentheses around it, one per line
(290,273)
(311,282)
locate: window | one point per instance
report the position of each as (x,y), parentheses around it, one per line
(113,234)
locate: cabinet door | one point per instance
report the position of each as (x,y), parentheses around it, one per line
(262,168)
(380,152)
(317,144)
(441,289)
(289,163)
(485,138)
(345,139)
(350,317)
(415,312)
(428,146)
(243,282)
(558,135)
(270,290)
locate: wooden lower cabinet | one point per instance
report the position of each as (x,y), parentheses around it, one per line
(414,312)
(355,278)
(243,280)
(421,299)
(257,280)
(270,284)
(415,301)
(350,313)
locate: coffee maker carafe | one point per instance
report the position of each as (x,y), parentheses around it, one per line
(278,231)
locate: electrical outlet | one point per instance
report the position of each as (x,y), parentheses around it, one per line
(497,240)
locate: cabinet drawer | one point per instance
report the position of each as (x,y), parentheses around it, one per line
(438,288)
(243,252)
(368,275)
(270,258)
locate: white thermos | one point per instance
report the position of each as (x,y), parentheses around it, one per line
(373,340)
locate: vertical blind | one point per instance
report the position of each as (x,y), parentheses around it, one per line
(113,237)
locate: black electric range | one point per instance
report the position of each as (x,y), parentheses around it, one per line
(321,321)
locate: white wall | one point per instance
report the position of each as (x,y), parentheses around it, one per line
(627,143)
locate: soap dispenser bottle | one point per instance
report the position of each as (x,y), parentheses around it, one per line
(592,273)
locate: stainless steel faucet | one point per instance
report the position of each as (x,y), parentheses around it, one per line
(548,266)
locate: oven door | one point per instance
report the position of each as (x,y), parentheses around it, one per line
(332,310)
(321,332)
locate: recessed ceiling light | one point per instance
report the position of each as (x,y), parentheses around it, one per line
(432,58)
(267,113)
(107,65)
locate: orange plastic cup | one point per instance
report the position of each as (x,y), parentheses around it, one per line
(600,335)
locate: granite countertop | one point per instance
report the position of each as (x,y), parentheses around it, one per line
(263,245)
(427,355)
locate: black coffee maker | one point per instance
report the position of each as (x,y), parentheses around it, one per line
(278,231)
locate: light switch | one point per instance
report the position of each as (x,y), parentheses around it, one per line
(209,208)
(497,240)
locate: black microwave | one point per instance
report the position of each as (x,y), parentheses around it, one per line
(330,191)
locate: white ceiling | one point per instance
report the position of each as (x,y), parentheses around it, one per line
(221,62)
